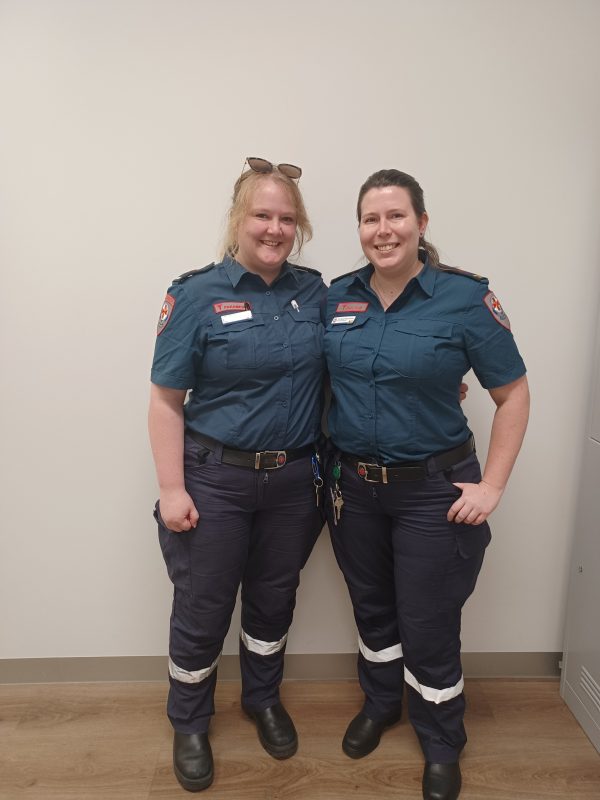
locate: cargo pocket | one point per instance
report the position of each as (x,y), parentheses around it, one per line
(342,340)
(418,345)
(307,334)
(470,539)
(244,343)
(175,548)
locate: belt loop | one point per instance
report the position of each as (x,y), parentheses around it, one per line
(218,451)
(208,443)
(257,461)
(384,475)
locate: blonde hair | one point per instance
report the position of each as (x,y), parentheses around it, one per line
(243,191)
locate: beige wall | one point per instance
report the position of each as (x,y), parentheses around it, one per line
(124,126)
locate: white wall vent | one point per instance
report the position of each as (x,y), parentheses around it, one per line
(590,687)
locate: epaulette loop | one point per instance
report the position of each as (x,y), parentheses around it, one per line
(456,271)
(306,269)
(186,275)
(345,275)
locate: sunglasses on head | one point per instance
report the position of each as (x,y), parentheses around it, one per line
(264,166)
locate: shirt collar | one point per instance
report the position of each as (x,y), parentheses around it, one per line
(287,269)
(425,278)
(235,272)
(364,275)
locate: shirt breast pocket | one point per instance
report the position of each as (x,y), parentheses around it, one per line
(306,334)
(242,344)
(419,347)
(342,341)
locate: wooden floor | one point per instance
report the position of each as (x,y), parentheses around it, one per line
(89,741)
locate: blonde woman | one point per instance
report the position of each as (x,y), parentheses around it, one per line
(236,463)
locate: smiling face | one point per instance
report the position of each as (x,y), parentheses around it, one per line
(267,231)
(389,230)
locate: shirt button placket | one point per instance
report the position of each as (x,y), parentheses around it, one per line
(377,339)
(286,400)
(279,335)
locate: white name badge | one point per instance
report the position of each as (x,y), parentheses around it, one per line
(342,320)
(237,317)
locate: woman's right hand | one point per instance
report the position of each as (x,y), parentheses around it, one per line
(165,424)
(178,511)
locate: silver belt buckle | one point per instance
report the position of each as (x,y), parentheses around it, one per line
(280,459)
(363,470)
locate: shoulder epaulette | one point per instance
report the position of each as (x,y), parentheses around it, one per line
(457,271)
(306,269)
(345,275)
(189,274)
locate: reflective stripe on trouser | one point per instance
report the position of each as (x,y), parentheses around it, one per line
(380,675)
(261,664)
(409,572)
(257,529)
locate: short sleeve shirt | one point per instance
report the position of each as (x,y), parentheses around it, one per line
(395,374)
(251,354)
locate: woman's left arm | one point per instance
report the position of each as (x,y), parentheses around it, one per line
(478,500)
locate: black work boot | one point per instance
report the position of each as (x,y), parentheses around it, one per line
(441,781)
(192,761)
(363,734)
(275,730)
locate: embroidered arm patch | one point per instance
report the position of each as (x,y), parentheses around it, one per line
(493,305)
(165,314)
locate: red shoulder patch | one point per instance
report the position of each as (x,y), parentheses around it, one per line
(493,305)
(165,314)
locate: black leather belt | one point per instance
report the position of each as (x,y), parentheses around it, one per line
(263,459)
(409,470)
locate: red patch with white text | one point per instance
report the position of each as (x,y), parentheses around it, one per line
(358,307)
(231,306)
(493,305)
(165,314)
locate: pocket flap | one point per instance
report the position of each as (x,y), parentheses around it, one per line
(438,329)
(306,314)
(242,325)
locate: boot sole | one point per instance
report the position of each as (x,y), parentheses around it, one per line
(280,752)
(286,751)
(353,752)
(194,784)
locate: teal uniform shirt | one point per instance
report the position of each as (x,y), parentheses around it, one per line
(251,354)
(395,375)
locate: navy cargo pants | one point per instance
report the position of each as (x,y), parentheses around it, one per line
(256,528)
(409,572)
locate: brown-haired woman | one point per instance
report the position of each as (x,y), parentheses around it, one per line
(408,505)
(236,463)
